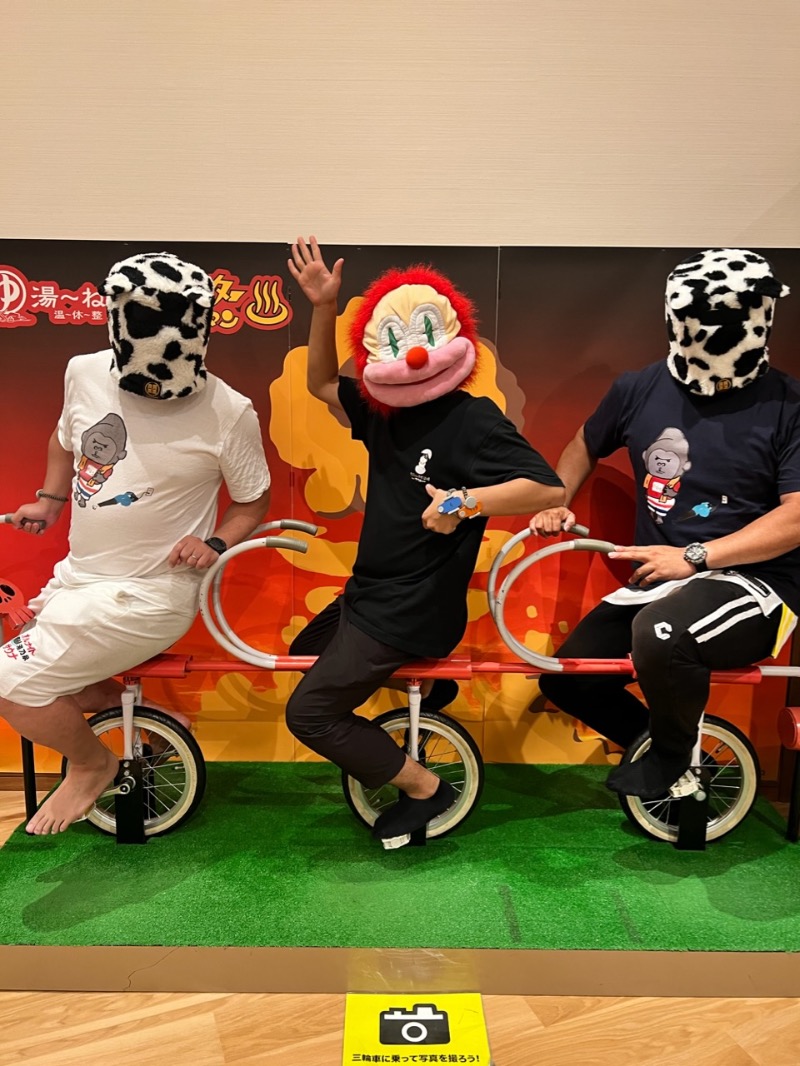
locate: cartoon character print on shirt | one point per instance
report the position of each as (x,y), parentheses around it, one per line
(102,447)
(666,460)
(421,469)
(125,499)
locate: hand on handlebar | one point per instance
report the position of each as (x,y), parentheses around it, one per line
(192,552)
(34,517)
(553,521)
(654,563)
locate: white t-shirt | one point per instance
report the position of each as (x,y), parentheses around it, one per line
(148,471)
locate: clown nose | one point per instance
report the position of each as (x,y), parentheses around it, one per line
(417,357)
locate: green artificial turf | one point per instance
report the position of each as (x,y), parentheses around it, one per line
(275,858)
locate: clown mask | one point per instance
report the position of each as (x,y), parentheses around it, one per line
(414,338)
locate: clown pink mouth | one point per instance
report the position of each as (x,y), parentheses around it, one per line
(397,384)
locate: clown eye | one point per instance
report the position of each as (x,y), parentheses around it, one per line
(393,343)
(427,327)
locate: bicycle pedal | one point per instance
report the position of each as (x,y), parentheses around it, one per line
(686,785)
(124,784)
(122,789)
(390,843)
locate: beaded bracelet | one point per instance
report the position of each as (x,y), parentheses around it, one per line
(42,495)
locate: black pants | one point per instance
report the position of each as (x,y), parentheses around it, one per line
(675,643)
(350,668)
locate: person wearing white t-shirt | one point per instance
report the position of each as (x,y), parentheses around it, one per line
(144,478)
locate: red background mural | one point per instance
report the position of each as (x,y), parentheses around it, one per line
(559,324)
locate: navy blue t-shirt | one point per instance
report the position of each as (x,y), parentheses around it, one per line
(409,584)
(705,466)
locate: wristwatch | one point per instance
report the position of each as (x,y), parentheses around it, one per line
(472,506)
(218,544)
(696,555)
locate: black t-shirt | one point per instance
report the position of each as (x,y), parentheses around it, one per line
(705,466)
(409,584)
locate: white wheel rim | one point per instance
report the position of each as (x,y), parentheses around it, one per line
(464,776)
(649,813)
(168,780)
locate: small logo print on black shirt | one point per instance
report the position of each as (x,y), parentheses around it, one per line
(418,473)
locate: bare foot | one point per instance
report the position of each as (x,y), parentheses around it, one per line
(74,797)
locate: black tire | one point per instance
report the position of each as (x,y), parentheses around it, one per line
(175,779)
(446,748)
(735,774)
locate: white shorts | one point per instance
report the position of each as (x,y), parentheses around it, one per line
(86,633)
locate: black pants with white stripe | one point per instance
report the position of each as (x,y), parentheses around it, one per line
(675,643)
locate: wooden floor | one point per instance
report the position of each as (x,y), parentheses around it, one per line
(211,1029)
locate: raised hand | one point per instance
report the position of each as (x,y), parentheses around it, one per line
(308,269)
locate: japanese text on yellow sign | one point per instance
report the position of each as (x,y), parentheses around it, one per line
(418,1029)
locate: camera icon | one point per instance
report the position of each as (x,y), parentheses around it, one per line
(424,1024)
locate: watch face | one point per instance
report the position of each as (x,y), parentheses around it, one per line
(695,553)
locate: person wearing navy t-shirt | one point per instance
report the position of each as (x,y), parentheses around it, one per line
(713,437)
(441,462)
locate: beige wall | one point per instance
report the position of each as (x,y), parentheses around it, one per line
(620,122)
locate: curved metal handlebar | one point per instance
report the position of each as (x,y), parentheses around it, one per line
(288,523)
(497,599)
(212,613)
(518,538)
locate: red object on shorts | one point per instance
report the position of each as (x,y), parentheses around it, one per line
(12,604)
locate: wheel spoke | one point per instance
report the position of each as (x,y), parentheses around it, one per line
(444,749)
(169,774)
(731,789)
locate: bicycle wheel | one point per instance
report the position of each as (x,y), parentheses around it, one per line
(446,748)
(735,774)
(173,768)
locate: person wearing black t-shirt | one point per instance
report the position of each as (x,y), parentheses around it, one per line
(713,436)
(440,463)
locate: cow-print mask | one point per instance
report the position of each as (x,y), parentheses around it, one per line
(159,320)
(719,307)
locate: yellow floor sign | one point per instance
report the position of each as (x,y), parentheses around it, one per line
(421,1028)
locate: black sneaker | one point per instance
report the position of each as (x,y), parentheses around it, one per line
(395,826)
